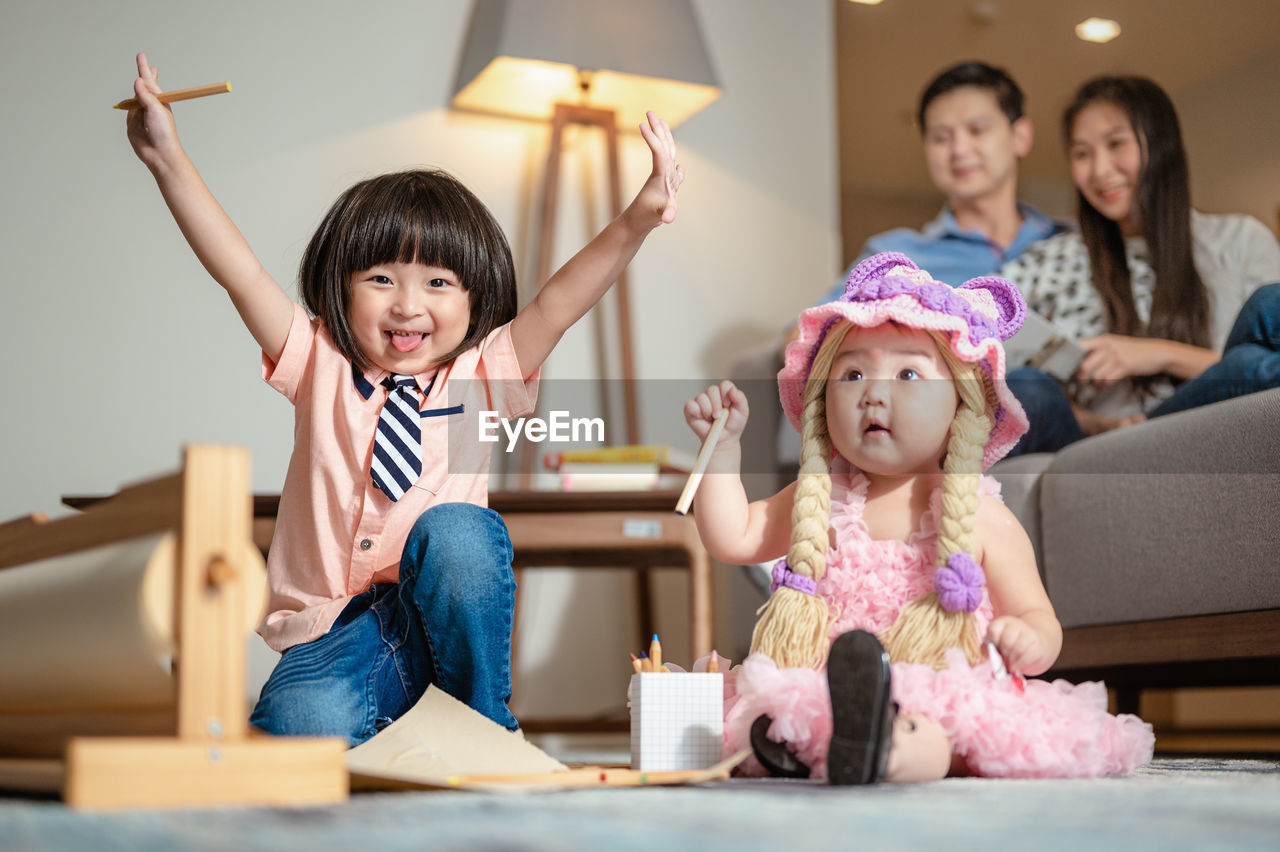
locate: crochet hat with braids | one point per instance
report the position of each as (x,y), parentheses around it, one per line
(978,316)
(969,324)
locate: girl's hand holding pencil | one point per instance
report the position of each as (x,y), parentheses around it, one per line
(150,125)
(717,416)
(701,413)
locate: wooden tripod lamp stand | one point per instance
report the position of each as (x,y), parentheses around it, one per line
(605,119)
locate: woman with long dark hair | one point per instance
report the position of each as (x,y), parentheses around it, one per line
(1175,308)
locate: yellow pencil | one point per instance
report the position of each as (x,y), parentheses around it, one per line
(655,653)
(180,95)
(713,665)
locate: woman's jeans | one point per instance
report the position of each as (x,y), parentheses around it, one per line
(1250,358)
(1053,423)
(447,622)
(1250,363)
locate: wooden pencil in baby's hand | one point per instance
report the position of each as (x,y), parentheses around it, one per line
(179,95)
(700,466)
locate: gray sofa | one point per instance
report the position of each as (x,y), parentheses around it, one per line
(1160,547)
(1159,544)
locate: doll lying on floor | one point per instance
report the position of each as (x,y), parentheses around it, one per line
(899,549)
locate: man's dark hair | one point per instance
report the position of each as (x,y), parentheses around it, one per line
(979,74)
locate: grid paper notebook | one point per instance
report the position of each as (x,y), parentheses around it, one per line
(677,720)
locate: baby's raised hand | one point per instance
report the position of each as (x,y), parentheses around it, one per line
(151,129)
(700,411)
(658,195)
(1018,642)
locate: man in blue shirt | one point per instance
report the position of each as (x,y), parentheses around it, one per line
(974,132)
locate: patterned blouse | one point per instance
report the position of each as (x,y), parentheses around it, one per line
(1234,254)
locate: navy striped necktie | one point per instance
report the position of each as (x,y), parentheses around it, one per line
(397,445)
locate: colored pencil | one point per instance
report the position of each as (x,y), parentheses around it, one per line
(599,776)
(180,95)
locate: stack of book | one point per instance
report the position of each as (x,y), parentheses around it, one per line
(631,467)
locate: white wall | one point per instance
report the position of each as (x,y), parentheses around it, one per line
(1231,126)
(119,349)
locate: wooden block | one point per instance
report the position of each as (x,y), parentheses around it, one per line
(212,574)
(145,772)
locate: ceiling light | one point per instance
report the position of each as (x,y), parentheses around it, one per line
(869,2)
(1097,30)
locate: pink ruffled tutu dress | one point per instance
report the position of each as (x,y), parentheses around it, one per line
(1053,730)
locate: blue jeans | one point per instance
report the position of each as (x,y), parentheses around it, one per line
(1053,423)
(1250,357)
(447,622)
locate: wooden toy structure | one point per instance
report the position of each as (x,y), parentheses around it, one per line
(196,750)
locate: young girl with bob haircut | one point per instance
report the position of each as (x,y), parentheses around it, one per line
(1176,308)
(901,561)
(387,573)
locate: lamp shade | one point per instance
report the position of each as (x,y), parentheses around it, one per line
(523,56)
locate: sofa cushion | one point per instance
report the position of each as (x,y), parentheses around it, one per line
(1174,517)
(1019,479)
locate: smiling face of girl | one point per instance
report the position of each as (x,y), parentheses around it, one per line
(405,317)
(1106,159)
(890,401)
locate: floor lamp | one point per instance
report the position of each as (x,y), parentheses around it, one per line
(585,62)
(606,120)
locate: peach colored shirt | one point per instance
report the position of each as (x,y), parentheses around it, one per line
(336,534)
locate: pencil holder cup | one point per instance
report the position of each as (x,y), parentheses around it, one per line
(677,720)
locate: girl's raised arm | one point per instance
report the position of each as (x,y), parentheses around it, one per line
(587,276)
(266,309)
(733,529)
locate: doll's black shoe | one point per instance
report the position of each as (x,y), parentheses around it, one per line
(861,708)
(775,757)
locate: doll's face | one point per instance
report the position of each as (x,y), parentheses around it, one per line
(890,401)
(920,752)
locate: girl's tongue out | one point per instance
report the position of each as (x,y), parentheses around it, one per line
(406,342)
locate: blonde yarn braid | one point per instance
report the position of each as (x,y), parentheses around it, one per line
(924,629)
(792,628)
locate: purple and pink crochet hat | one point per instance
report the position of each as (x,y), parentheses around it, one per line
(978,316)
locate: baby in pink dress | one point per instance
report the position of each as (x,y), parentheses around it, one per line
(901,561)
